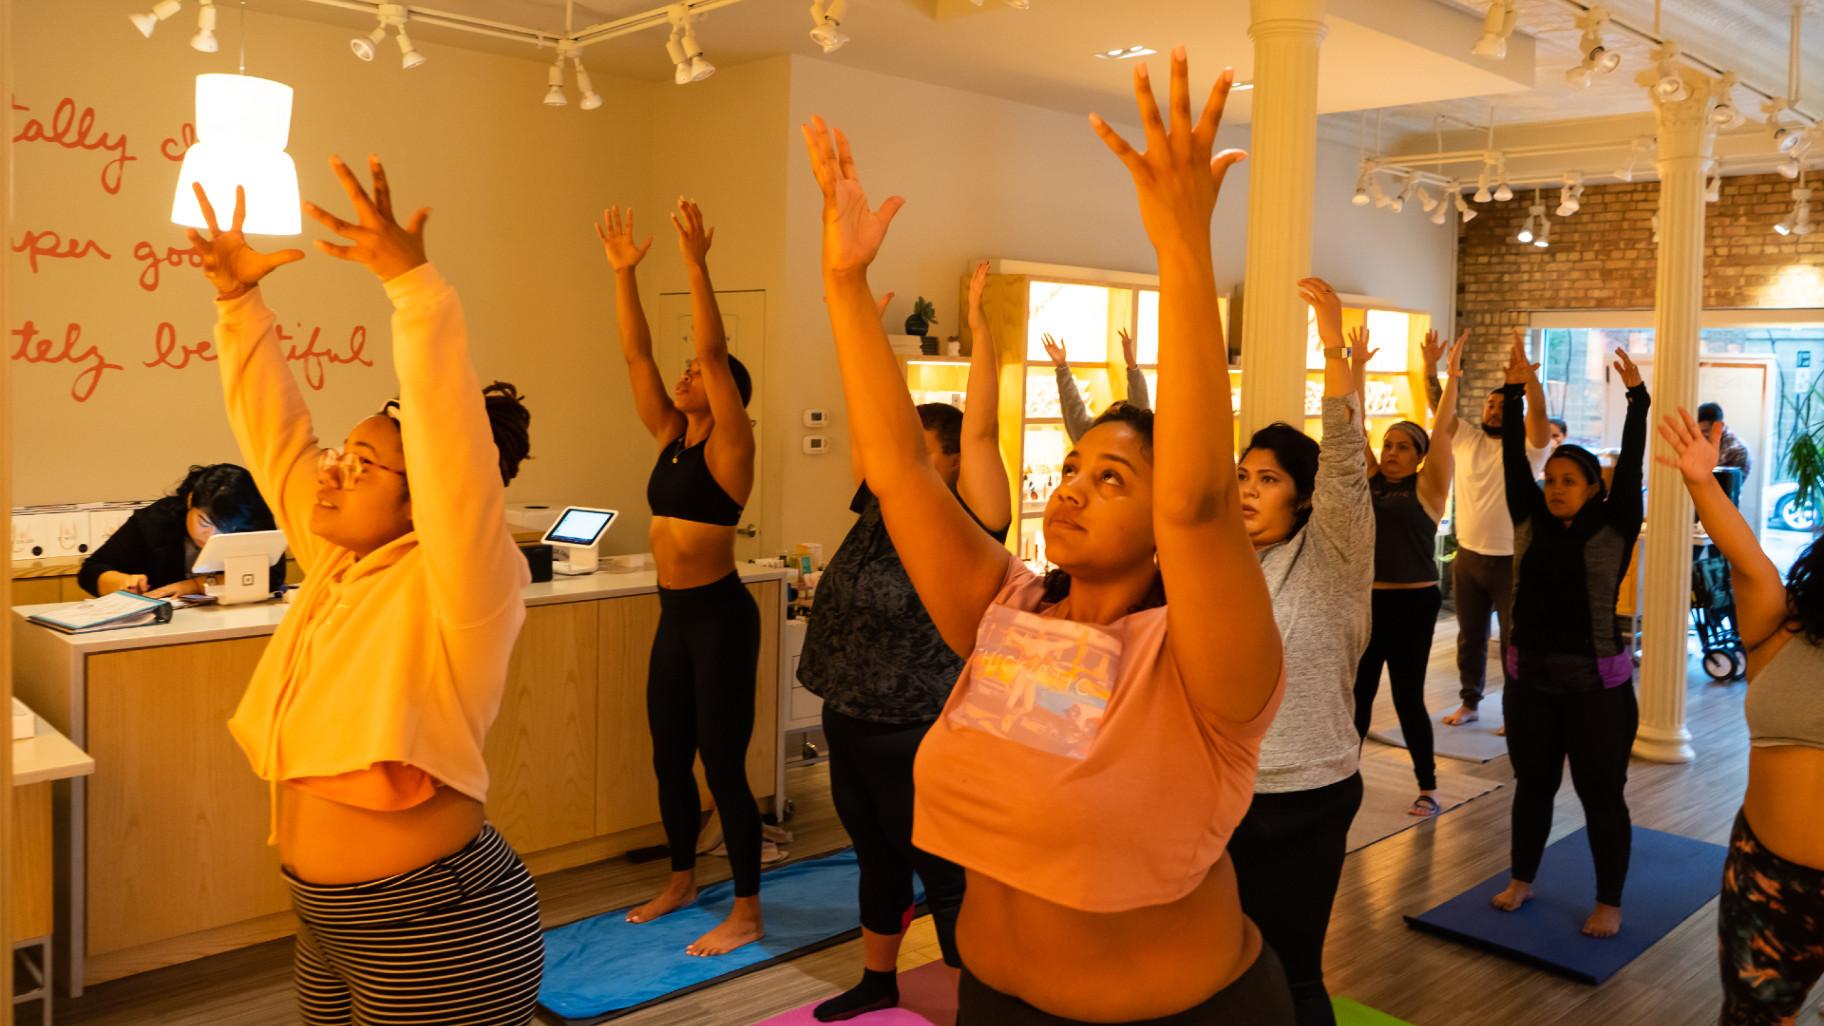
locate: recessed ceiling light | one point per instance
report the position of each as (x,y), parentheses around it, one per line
(1126,53)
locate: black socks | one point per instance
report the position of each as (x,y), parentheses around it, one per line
(875,992)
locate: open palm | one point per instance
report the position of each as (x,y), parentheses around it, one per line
(1694,456)
(616,233)
(852,231)
(230,264)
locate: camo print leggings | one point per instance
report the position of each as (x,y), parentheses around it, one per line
(1770,932)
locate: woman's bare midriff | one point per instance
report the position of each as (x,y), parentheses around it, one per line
(1783,784)
(1107,967)
(327,842)
(1407,586)
(688,554)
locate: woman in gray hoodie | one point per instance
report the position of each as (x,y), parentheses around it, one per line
(1309,512)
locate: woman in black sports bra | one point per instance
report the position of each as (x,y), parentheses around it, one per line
(700,684)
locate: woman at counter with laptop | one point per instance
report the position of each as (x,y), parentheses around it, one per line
(152,553)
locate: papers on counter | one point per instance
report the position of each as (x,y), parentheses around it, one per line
(109,612)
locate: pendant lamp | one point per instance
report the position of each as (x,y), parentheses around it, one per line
(242,126)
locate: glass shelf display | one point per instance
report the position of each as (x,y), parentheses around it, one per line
(1075,314)
(1042,401)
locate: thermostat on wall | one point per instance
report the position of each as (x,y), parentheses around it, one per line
(816,445)
(815,418)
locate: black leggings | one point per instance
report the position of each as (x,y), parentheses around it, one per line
(1288,853)
(700,701)
(1404,621)
(1595,729)
(1257,998)
(871,781)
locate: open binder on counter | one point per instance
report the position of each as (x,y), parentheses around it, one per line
(107,613)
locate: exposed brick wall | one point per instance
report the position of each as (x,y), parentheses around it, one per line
(1602,258)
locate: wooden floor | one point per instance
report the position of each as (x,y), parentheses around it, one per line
(1372,956)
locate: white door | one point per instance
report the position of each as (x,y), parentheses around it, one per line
(744,321)
(1745,386)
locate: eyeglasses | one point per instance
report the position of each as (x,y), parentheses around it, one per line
(346,468)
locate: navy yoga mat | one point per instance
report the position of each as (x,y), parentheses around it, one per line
(1669,877)
(604,966)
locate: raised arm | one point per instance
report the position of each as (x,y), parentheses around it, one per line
(651,399)
(855,465)
(1359,355)
(1760,595)
(1538,422)
(1441,459)
(459,502)
(982,477)
(1432,350)
(730,454)
(1210,570)
(1070,398)
(1524,499)
(1137,394)
(266,410)
(956,568)
(1342,512)
(1624,507)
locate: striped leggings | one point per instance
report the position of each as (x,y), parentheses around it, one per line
(453,943)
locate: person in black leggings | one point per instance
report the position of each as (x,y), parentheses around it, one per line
(1573,676)
(1410,482)
(700,685)
(884,673)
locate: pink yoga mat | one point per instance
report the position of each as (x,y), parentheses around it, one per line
(926,998)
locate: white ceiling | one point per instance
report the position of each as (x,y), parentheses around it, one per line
(1377,53)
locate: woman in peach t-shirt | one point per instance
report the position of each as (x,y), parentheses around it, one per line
(1101,743)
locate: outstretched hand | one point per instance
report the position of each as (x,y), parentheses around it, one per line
(1177,178)
(694,238)
(1054,348)
(616,233)
(1359,353)
(852,231)
(1624,365)
(229,263)
(978,282)
(1431,350)
(1456,354)
(1694,456)
(1519,370)
(376,238)
(1130,352)
(1327,307)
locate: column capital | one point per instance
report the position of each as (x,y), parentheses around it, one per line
(1286,17)
(1684,125)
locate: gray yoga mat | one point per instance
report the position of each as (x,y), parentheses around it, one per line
(1470,742)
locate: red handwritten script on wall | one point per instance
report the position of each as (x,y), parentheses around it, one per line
(74,131)
(52,246)
(168,352)
(155,261)
(35,348)
(317,358)
(174,147)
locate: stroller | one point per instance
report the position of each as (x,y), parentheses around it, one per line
(1713,617)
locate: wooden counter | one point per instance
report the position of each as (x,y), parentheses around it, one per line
(30,918)
(166,857)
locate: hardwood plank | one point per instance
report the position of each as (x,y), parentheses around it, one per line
(624,744)
(28,891)
(541,750)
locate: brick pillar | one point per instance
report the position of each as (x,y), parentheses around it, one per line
(1282,179)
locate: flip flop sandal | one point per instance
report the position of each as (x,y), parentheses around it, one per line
(1424,807)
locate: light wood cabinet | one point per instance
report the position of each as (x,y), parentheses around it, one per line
(541,750)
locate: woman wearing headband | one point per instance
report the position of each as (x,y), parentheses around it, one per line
(1410,481)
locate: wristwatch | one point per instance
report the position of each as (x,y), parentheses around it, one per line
(1338,352)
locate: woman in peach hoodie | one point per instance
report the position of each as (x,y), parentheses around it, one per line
(368,711)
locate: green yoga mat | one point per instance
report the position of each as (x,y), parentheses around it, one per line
(1351,1013)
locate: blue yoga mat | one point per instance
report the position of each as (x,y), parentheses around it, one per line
(1669,877)
(604,966)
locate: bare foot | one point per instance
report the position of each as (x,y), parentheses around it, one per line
(1604,922)
(1516,895)
(1464,714)
(743,926)
(1501,731)
(681,891)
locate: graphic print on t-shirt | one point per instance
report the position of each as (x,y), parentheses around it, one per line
(1041,682)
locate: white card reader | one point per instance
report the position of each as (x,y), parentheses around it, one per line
(576,539)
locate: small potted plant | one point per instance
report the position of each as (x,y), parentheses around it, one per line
(923,315)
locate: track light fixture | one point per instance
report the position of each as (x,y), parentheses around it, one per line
(1442,212)
(409,57)
(554,85)
(1669,86)
(591,100)
(1362,178)
(148,21)
(1597,58)
(1799,221)
(1724,113)
(1398,202)
(1428,202)
(1482,193)
(368,46)
(1570,197)
(1497,25)
(1543,240)
(826,24)
(1503,192)
(686,52)
(1464,210)
(1535,214)
(204,40)
(1641,147)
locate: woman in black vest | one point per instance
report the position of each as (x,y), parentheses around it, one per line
(151,554)
(1410,481)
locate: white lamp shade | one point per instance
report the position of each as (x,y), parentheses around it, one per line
(242,126)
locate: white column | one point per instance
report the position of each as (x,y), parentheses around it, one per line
(1685,138)
(1282,176)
